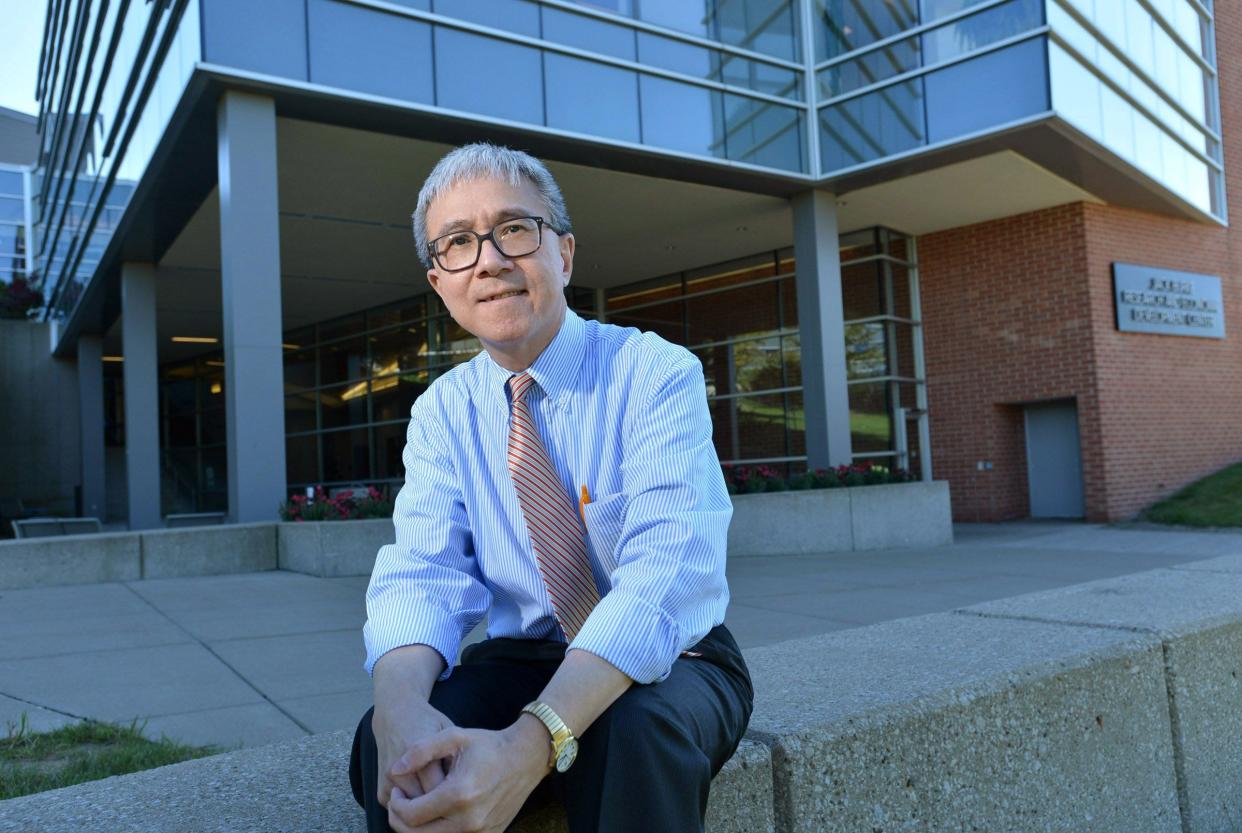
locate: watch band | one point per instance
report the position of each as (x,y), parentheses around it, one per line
(564,744)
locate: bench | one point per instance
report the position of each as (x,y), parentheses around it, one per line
(183,519)
(50,527)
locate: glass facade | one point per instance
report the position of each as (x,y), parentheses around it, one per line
(1140,79)
(110,78)
(350,381)
(17,296)
(893,78)
(730,70)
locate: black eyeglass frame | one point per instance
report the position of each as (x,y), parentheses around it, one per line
(491,235)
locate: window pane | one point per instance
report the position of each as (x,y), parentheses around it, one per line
(11,182)
(11,208)
(980,29)
(299,369)
(413,309)
(181,431)
(987,91)
(342,360)
(845,26)
(588,33)
(361,49)
(518,16)
(871,68)
(402,350)
(682,117)
(593,98)
(763,134)
(213,427)
(344,405)
(508,85)
(300,412)
(677,56)
(761,426)
(663,319)
(389,443)
(870,421)
(872,126)
(302,460)
(344,326)
(392,396)
(346,455)
(732,314)
(865,350)
(861,290)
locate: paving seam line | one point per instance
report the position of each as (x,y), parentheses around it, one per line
(1175,727)
(92,651)
(223,662)
(41,706)
(1070,624)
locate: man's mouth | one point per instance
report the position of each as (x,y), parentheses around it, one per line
(511,294)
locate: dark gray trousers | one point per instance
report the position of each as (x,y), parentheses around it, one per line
(644,765)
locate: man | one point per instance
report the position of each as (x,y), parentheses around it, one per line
(564,479)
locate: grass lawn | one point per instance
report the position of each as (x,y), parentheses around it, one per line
(1215,500)
(32,762)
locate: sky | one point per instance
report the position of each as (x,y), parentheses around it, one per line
(22,24)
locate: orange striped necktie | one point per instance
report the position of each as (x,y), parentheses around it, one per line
(555,530)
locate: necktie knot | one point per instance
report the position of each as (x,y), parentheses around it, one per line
(520,385)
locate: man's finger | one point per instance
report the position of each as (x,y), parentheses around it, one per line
(430,776)
(421,753)
(420,815)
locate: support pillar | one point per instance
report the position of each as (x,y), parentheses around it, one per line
(91,419)
(821,320)
(250,279)
(141,374)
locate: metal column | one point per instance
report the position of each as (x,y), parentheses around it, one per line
(250,278)
(821,320)
(91,418)
(141,374)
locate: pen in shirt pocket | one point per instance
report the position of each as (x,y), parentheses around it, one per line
(582,502)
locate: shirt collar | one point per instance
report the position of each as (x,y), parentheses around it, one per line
(555,369)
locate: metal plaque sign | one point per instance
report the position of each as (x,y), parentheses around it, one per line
(1166,302)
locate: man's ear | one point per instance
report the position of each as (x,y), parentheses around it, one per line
(434,279)
(566,244)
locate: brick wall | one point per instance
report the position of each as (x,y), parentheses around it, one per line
(1008,319)
(1021,310)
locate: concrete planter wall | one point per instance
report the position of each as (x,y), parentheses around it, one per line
(841,520)
(332,548)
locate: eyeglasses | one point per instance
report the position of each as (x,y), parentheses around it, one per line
(515,237)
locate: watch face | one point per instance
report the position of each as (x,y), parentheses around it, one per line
(565,758)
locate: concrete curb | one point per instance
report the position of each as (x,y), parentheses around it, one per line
(840,520)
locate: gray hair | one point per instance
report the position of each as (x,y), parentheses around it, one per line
(483,160)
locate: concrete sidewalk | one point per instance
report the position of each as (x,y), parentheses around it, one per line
(263,657)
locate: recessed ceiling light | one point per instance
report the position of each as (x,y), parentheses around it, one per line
(195,340)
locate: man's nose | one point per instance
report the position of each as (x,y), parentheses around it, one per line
(491,258)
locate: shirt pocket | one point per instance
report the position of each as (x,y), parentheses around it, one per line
(604,520)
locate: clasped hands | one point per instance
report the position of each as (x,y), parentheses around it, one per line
(455,780)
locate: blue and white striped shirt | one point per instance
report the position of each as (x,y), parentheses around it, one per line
(623,413)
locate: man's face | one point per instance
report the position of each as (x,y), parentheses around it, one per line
(513,305)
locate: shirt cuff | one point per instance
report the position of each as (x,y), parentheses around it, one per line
(441,633)
(635,636)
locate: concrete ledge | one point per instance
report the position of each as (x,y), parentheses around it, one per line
(208,550)
(841,520)
(1196,612)
(740,800)
(73,559)
(952,722)
(304,786)
(332,548)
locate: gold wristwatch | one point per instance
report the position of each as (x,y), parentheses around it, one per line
(564,744)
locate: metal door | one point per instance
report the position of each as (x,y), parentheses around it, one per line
(1054,460)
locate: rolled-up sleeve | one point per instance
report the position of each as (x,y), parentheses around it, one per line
(669,587)
(426,587)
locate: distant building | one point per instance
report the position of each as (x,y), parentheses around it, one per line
(888,230)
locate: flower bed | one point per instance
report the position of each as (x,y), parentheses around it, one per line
(344,507)
(749,480)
